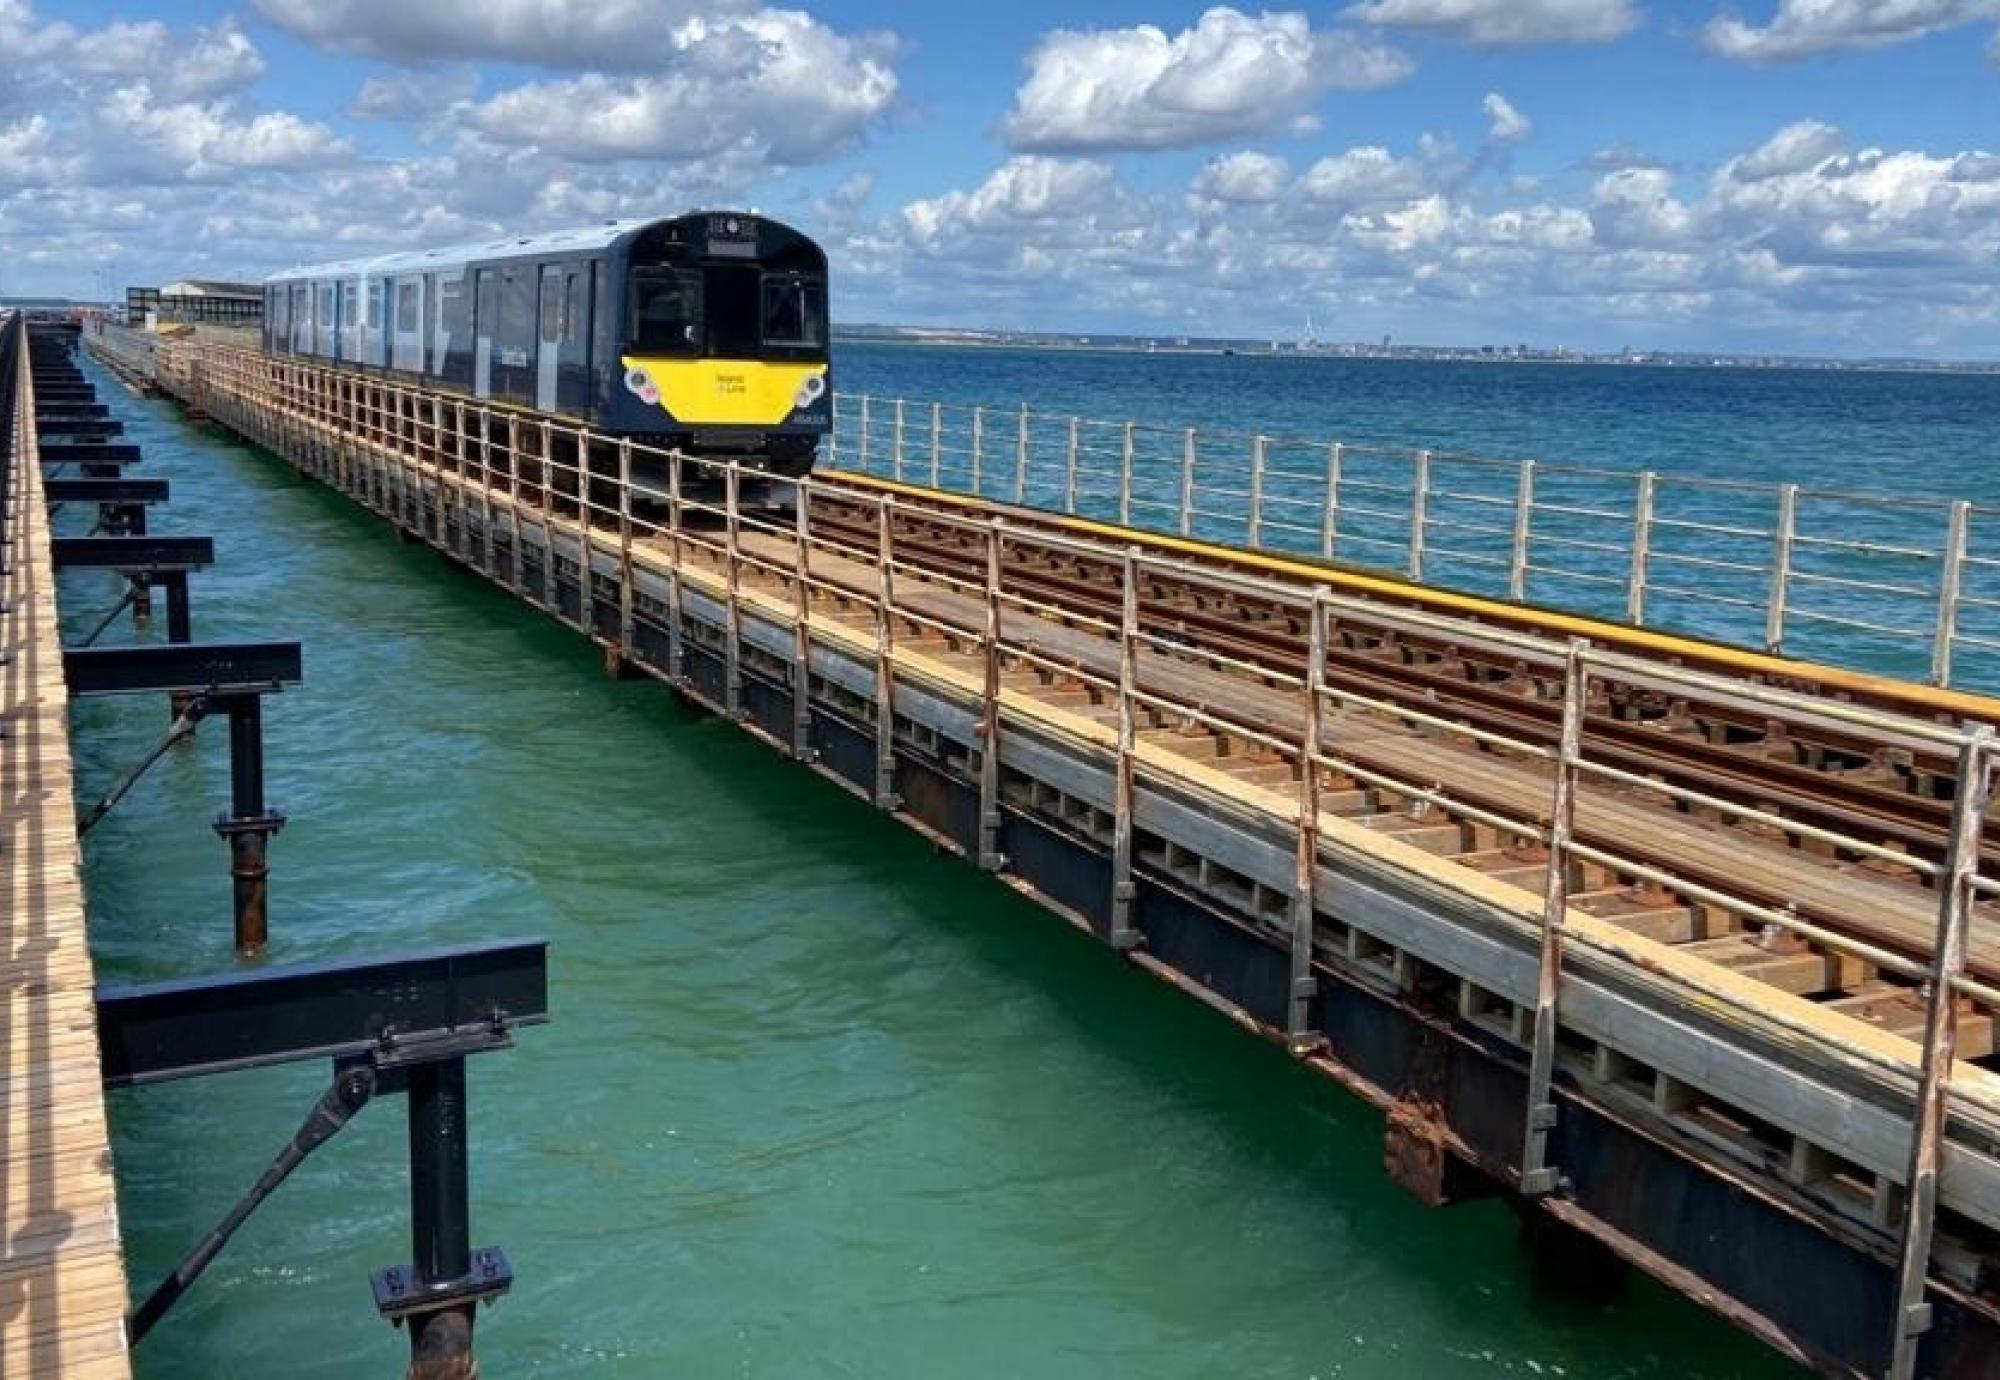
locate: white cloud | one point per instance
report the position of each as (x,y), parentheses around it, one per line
(775,86)
(613,35)
(1799,237)
(1243,178)
(1504,123)
(1231,75)
(1364,177)
(192,66)
(1807,28)
(1796,148)
(419,96)
(1506,23)
(141,136)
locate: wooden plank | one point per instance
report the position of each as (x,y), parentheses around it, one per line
(63,1288)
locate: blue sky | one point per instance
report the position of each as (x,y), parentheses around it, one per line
(1805,175)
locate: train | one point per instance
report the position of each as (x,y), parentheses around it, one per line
(705,332)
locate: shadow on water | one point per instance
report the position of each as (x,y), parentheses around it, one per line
(817,1101)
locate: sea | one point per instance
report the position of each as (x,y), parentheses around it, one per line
(818,1101)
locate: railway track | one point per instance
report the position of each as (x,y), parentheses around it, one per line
(1802,768)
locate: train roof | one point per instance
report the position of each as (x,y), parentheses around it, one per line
(578,238)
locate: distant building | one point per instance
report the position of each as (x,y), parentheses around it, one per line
(191,300)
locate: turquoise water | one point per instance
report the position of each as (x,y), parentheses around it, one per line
(816,1102)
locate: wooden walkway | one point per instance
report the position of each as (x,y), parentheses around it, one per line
(62,1271)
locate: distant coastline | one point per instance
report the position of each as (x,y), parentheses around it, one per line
(946,338)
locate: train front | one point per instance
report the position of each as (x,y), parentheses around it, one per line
(724,343)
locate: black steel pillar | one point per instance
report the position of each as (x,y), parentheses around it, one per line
(440,1221)
(130,521)
(249,824)
(180,629)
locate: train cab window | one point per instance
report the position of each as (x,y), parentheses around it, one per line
(794,311)
(666,311)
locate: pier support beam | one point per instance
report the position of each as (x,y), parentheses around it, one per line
(440,1221)
(248,827)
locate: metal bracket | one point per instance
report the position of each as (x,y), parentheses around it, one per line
(400,1293)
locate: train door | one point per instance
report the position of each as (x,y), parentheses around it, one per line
(485,316)
(431,346)
(514,335)
(326,321)
(407,325)
(352,320)
(374,347)
(548,337)
(302,319)
(573,378)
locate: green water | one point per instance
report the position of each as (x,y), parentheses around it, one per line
(816,1102)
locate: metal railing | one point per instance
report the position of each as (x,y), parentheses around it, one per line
(1906,586)
(772,566)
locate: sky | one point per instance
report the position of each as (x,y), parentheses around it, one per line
(1803,176)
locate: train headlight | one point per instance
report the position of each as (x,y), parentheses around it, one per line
(638,381)
(809,391)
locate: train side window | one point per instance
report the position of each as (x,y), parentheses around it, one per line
(406,308)
(666,311)
(795,311)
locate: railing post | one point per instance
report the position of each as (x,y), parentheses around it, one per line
(1951,579)
(802,748)
(1188,445)
(1125,480)
(990,856)
(676,561)
(978,445)
(1069,469)
(1420,503)
(1329,518)
(1642,546)
(885,655)
(1524,531)
(1124,934)
(861,445)
(514,503)
(937,445)
(627,637)
(1298,1025)
(1537,1175)
(1257,462)
(1781,567)
(732,684)
(1927,1125)
(896,455)
(1021,459)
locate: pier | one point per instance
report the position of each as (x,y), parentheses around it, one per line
(391,1024)
(1689,948)
(62,1271)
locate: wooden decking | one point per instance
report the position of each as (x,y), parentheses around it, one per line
(62,1270)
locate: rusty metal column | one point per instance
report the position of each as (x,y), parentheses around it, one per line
(249,824)
(440,1220)
(1537,1175)
(1125,934)
(1956,899)
(990,856)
